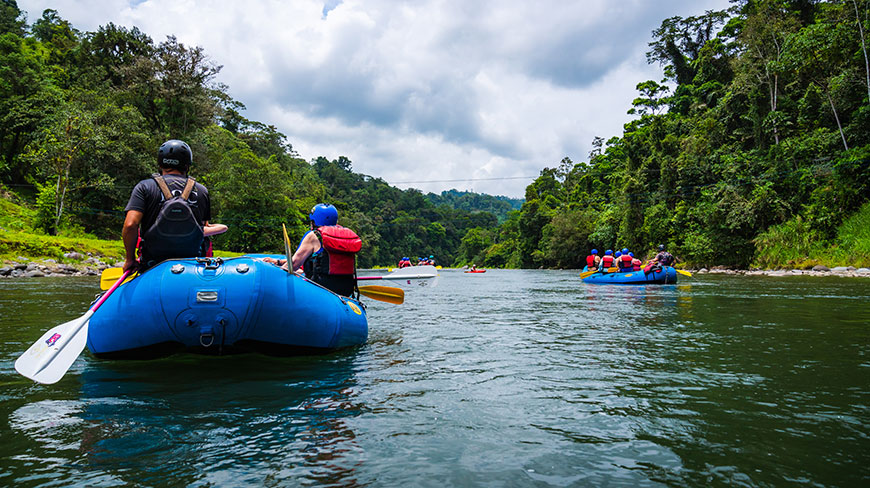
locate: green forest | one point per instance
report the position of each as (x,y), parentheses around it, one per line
(752,150)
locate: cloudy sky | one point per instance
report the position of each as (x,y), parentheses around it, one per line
(432,94)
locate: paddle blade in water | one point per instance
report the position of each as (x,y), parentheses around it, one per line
(686,273)
(49,358)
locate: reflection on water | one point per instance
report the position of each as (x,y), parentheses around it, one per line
(207,420)
(509,378)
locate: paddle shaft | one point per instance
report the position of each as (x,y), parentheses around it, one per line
(83,321)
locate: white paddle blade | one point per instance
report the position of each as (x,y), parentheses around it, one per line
(49,358)
(415,270)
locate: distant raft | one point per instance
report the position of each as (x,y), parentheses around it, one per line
(476,271)
(215,306)
(667,275)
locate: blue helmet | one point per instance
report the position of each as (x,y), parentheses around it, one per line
(608,252)
(631,254)
(594,251)
(618,254)
(405,259)
(323,214)
(624,250)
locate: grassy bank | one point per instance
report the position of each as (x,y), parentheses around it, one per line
(794,245)
(19,239)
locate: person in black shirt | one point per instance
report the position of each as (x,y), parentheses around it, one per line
(173,160)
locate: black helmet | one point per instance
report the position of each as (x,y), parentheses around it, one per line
(174,154)
(661,247)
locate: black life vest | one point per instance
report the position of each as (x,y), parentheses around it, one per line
(334,266)
(666,258)
(175,233)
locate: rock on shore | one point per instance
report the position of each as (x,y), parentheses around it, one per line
(844,271)
(24,268)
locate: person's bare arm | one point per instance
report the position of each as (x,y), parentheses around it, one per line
(130,236)
(309,246)
(213,229)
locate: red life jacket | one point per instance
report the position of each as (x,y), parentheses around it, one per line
(625,261)
(590,260)
(607,261)
(637,264)
(404,264)
(341,245)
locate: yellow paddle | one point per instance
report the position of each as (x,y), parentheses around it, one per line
(387,294)
(682,272)
(589,273)
(111,275)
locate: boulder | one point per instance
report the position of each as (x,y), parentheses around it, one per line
(73,255)
(820,267)
(839,270)
(860,271)
(34,274)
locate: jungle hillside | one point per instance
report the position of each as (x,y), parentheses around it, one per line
(750,151)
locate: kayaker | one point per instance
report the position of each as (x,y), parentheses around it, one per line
(607,260)
(161,238)
(336,267)
(593,260)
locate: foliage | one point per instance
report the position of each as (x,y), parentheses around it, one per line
(753,151)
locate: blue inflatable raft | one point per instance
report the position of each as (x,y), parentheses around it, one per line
(665,276)
(221,306)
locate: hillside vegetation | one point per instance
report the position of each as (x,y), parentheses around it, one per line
(752,150)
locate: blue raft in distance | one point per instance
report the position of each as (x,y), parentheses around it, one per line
(667,275)
(221,306)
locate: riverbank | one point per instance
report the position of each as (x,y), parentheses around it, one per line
(843,271)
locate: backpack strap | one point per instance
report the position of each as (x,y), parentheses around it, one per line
(165,189)
(162,184)
(188,187)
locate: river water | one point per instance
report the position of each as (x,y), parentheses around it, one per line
(508,378)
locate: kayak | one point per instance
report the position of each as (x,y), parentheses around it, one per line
(665,276)
(221,306)
(476,271)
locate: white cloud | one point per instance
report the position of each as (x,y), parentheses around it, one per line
(420,91)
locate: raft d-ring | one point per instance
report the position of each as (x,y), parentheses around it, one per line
(202,341)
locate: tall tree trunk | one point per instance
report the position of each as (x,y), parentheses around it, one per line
(863,46)
(837,118)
